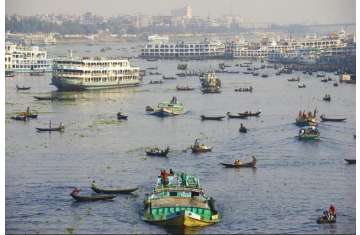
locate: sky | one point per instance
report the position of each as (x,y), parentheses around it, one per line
(266,11)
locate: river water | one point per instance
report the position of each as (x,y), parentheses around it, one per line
(293,182)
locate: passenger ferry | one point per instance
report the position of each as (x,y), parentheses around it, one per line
(20,58)
(199,50)
(94,73)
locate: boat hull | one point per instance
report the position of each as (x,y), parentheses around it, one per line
(78,85)
(184,218)
(309,137)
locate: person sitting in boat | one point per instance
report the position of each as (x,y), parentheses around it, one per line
(196,143)
(242,127)
(171,172)
(93,184)
(237,162)
(332,211)
(76,191)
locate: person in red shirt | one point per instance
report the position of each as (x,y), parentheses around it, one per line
(332,210)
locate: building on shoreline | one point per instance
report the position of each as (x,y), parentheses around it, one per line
(93,73)
(20,58)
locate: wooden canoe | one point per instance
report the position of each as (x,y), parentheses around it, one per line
(350,161)
(236,116)
(324,119)
(93,197)
(215,118)
(245,164)
(22,88)
(50,129)
(250,114)
(113,191)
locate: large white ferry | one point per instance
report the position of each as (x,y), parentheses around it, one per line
(26,58)
(201,50)
(93,73)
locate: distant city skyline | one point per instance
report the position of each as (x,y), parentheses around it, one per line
(266,11)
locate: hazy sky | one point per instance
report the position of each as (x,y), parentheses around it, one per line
(274,11)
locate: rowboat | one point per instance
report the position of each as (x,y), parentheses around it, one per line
(113,191)
(243,129)
(327,97)
(157,152)
(236,116)
(121,116)
(214,118)
(44,97)
(240,165)
(180,202)
(169,78)
(184,88)
(22,88)
(54,98)
(350,161)
(200,148)
(301,85)
(250,114)
(60,128)
(324,119)
(91,198)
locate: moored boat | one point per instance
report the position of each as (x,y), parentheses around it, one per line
(178,200)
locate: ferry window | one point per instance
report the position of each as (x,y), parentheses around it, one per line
(173,194)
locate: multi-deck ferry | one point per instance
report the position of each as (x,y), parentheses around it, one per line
(93,73)
(26,58)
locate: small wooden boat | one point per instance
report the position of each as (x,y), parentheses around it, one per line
(325,219)
(243,129)
(154,73)
(324,119)
(19,118)
(200,148)
(22,88)
(294,79)
(309,133)
(59,128)
(215,118)
(155,82)
(157,152)
(121,116)
(350,161)
(44,97)
(240,164)
(301,85)
(250,114)
(91,198)
(169,78)
(113,191)
(327,97)
(236,116)
(184,88)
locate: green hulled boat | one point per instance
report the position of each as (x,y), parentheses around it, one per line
(165,109)
(180,202)
(309,133)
